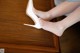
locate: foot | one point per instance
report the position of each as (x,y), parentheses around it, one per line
(55,27)
(42,14)
(31,14)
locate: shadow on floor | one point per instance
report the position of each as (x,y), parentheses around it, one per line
(70,41)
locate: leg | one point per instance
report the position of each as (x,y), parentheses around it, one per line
(42,14)
(57,11)
(59,27)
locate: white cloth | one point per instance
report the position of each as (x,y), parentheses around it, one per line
(57,2)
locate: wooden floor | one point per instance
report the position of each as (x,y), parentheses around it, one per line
(17,38)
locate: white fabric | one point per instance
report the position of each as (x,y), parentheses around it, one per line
(57,2)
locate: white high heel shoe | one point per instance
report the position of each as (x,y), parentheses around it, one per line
(31,14)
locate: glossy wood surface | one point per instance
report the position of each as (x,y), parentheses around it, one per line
(17,38)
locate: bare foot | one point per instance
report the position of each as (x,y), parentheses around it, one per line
(55,27)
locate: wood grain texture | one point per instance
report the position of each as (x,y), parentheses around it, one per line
(17,38)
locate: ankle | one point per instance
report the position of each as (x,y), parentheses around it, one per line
(47,16)
(42,14)
(62,26)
